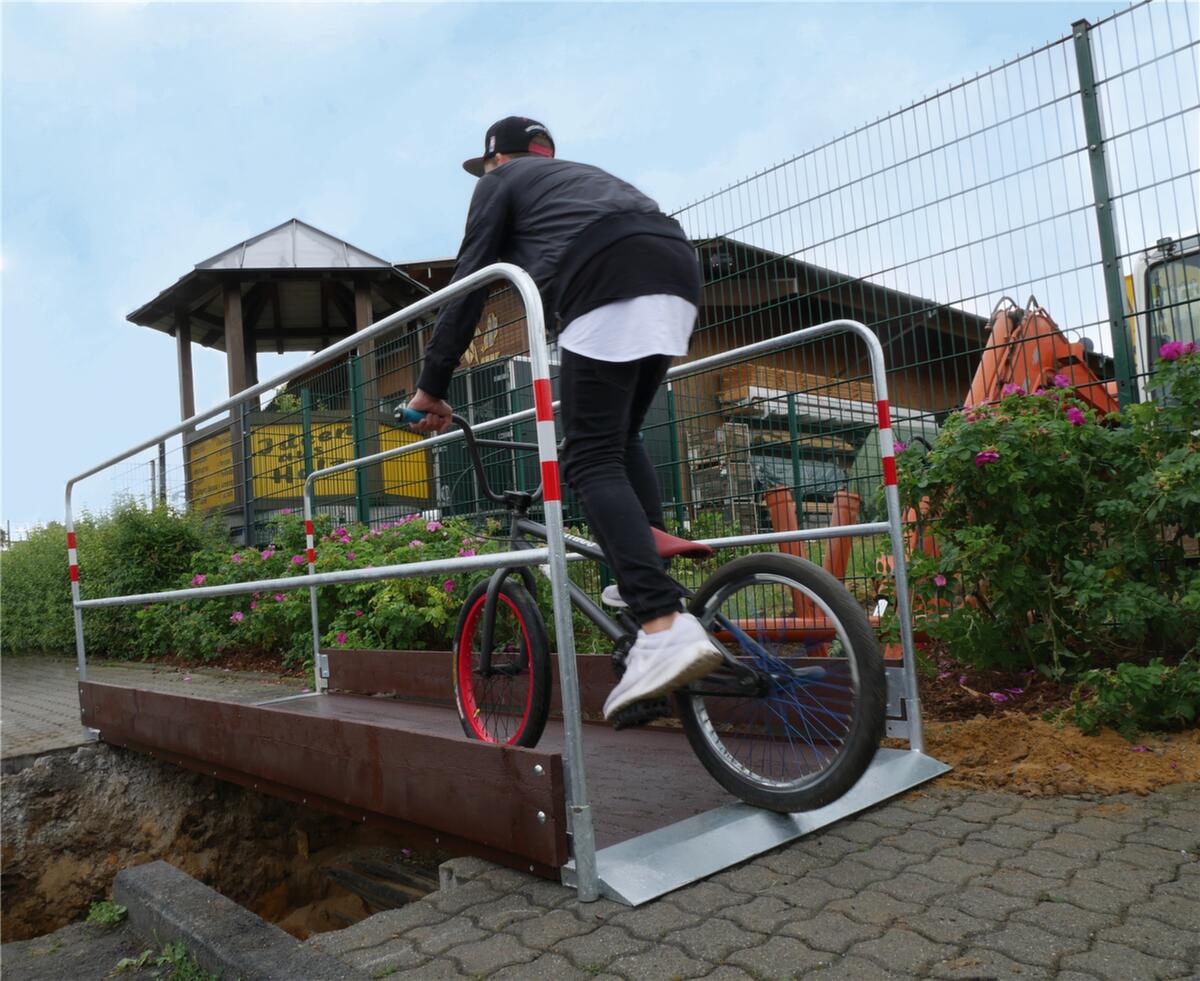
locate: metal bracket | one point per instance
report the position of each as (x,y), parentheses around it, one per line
(323,666)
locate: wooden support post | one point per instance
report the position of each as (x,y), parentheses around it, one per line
(235,361)
(187,393)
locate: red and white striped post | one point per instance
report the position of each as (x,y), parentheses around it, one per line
(320,682)
(73,563)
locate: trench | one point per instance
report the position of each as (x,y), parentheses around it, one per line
(74,818)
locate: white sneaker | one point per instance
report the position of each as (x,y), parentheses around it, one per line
(661,662)
(611,596)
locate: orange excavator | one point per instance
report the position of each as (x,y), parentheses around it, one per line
(1025,348)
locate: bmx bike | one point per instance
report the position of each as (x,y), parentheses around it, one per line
(790,720)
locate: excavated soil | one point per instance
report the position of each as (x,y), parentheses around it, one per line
(1026,755)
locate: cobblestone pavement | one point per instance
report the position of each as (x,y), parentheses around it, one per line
(39,704)
(942,883)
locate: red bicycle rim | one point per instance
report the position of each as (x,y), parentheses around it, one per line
(466,688)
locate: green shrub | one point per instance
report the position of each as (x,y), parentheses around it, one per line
(1061,539)
(1131,698)
(104,913)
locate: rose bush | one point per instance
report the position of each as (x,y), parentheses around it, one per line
(1063,539)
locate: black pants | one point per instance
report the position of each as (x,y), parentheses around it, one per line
(604,404)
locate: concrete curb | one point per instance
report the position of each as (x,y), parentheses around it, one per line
(166,905)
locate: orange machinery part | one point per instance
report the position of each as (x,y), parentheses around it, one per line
(781,505)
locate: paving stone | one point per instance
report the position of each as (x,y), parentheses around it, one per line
(978,964)
(1018,882)
(1150,857)
(1137,881)
(763,913)
(655,920)
(496,914)
(984,902)
(853,969)
(877,908)
(1065,918)
(597,911)
(796,862)
(462,869)
(902,950)
(910,887)
(923,802)
(714,939)
(947,925)
(824,849)
(660,962)
(1158,939)
(600,947)
(1120,963)
(1096,896)
(982,853)
(483,957)
(437,938)
(377,929)
(779,957)
(706,897)
(1071,845)
(892,815)
(393,956)
(830,931)
(1045,863)
(1166,836)
(980,812)
(1170,910)
(549,929)
(887,858)
(506,880)
(917,842)
(547,894)
(1185,887)
(948,826)
(441,969)
(1102,830)
(546,967)
(809,894)
(952,870)
(1009,836)
(1030,944)
(849,874)
(727,972)
(752,878)
(1035,819)
(864,832)
(457,899)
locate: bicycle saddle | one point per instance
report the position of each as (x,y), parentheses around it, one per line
(669,546)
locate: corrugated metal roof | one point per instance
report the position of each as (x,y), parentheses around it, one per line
(294,245)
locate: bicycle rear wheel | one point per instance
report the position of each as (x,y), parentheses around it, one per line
(511,702)
(808,734)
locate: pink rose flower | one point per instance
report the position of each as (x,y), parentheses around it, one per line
(434,526)
(298,560)
(198,580)
(235,557)
(939,580)
(1012,389)
(1062,381)
(448,585)
(254,604)
(341,637)
(984,457)
(416,543)
(266,553)
(1076,416)
(900,446)
(237,617)
(286,511)
(358,613)
(349,556)
(466,552)
(1174,350)
(279,597)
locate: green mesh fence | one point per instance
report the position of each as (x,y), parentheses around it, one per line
(1063,181)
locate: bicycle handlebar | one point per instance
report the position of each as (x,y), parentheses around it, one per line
(404,414)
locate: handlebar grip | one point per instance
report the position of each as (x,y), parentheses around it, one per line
(405,414)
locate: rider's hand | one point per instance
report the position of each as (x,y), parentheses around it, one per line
(437,413)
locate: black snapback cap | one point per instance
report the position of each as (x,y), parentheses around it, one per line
(512,134)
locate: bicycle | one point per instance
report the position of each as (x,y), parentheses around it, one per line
(789,722)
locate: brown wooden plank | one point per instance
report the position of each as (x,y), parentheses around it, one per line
(358,752)
(425,676)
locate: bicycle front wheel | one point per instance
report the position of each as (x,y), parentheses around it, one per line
(508,700)
(806,735)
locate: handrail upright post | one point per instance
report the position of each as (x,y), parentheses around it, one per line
(73,564)
(579,813)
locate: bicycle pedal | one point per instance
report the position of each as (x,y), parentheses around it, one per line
(642,713)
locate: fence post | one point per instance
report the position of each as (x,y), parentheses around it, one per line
(162,472)
(359,432)
(247,474)
(793,437)
(676,481)
(1110,253)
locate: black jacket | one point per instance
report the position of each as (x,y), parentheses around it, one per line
(551,217)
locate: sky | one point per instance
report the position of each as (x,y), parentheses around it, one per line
(137,139)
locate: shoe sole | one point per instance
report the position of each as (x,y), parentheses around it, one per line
(706,664)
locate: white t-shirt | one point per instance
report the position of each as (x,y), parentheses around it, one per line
(626,330)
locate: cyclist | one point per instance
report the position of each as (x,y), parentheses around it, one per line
(622,281)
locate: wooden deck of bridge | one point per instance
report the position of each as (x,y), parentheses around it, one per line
(385,747)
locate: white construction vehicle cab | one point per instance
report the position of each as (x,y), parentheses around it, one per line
(1164,296)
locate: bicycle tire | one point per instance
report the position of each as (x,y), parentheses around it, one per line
(510,708)
(824,776)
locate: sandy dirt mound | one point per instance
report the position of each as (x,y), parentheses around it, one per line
(1029,756)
